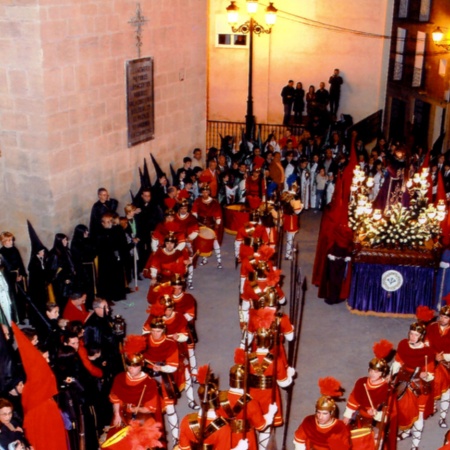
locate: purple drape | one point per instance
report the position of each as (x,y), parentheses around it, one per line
(367,294)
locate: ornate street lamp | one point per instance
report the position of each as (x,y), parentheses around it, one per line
(250,27)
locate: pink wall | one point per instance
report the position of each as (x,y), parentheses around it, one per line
(63,110)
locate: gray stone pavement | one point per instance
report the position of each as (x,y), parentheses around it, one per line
(333,341)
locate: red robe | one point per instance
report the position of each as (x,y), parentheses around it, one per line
(439,340)
(410,405)
(41,413)
(334,436)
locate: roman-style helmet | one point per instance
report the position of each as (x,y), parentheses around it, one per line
(445,311)
(330,388)
(264,338)
(381,350)
(177,280)
(237,372)
(133,349)
(209,387)
(420,328)
(158,323)
(170,237)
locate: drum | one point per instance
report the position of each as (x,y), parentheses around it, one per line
(116,438)
(205,241)
(235,217)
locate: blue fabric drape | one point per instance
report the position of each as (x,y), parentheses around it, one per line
(367,294)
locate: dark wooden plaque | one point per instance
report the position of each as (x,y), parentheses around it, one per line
(140,100)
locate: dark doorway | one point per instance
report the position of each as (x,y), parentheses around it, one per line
(397,123)
(421,123)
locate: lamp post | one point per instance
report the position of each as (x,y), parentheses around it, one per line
(250,27)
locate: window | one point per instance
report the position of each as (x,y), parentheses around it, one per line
(225,36)
(403,9)
(399,51)
(424,14)
(442,67)
(419,59)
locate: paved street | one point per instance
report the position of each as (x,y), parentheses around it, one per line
(332,340)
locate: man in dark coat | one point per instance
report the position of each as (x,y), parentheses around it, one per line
(288,94)
(102,206)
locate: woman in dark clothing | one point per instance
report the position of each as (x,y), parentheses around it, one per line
(83,253)
(14,272)
(61,270)
(299,103)
(10,429)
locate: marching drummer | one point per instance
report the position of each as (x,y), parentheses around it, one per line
(167,262)
(209,215)
(189,225)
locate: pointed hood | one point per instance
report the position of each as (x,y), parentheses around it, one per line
(36,243)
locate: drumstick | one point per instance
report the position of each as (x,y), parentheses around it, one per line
(368,396)
(426,365)
(140,401)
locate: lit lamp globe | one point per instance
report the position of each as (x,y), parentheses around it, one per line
(252,6)
(232,13)
(271,15)
(437,35)
(409,183)
(370,182)
(440,216)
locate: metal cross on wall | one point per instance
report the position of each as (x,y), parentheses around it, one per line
(137,21)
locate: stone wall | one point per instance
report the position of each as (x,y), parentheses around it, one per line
(63,103)
(303,48)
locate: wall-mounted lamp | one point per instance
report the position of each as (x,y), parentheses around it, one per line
(438,36)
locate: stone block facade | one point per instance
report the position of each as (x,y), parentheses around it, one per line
(63,127)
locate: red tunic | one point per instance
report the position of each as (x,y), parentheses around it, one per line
(208,213)
(128,391)
(167,265)
(164,228)
(249,233)
(71,312)
(439,340)
(188,224)
(230,409)
(258,365)
(254,188)
(334,436)
(218,440)
(359,401)
(163,352)
(185,304)
(410,404)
